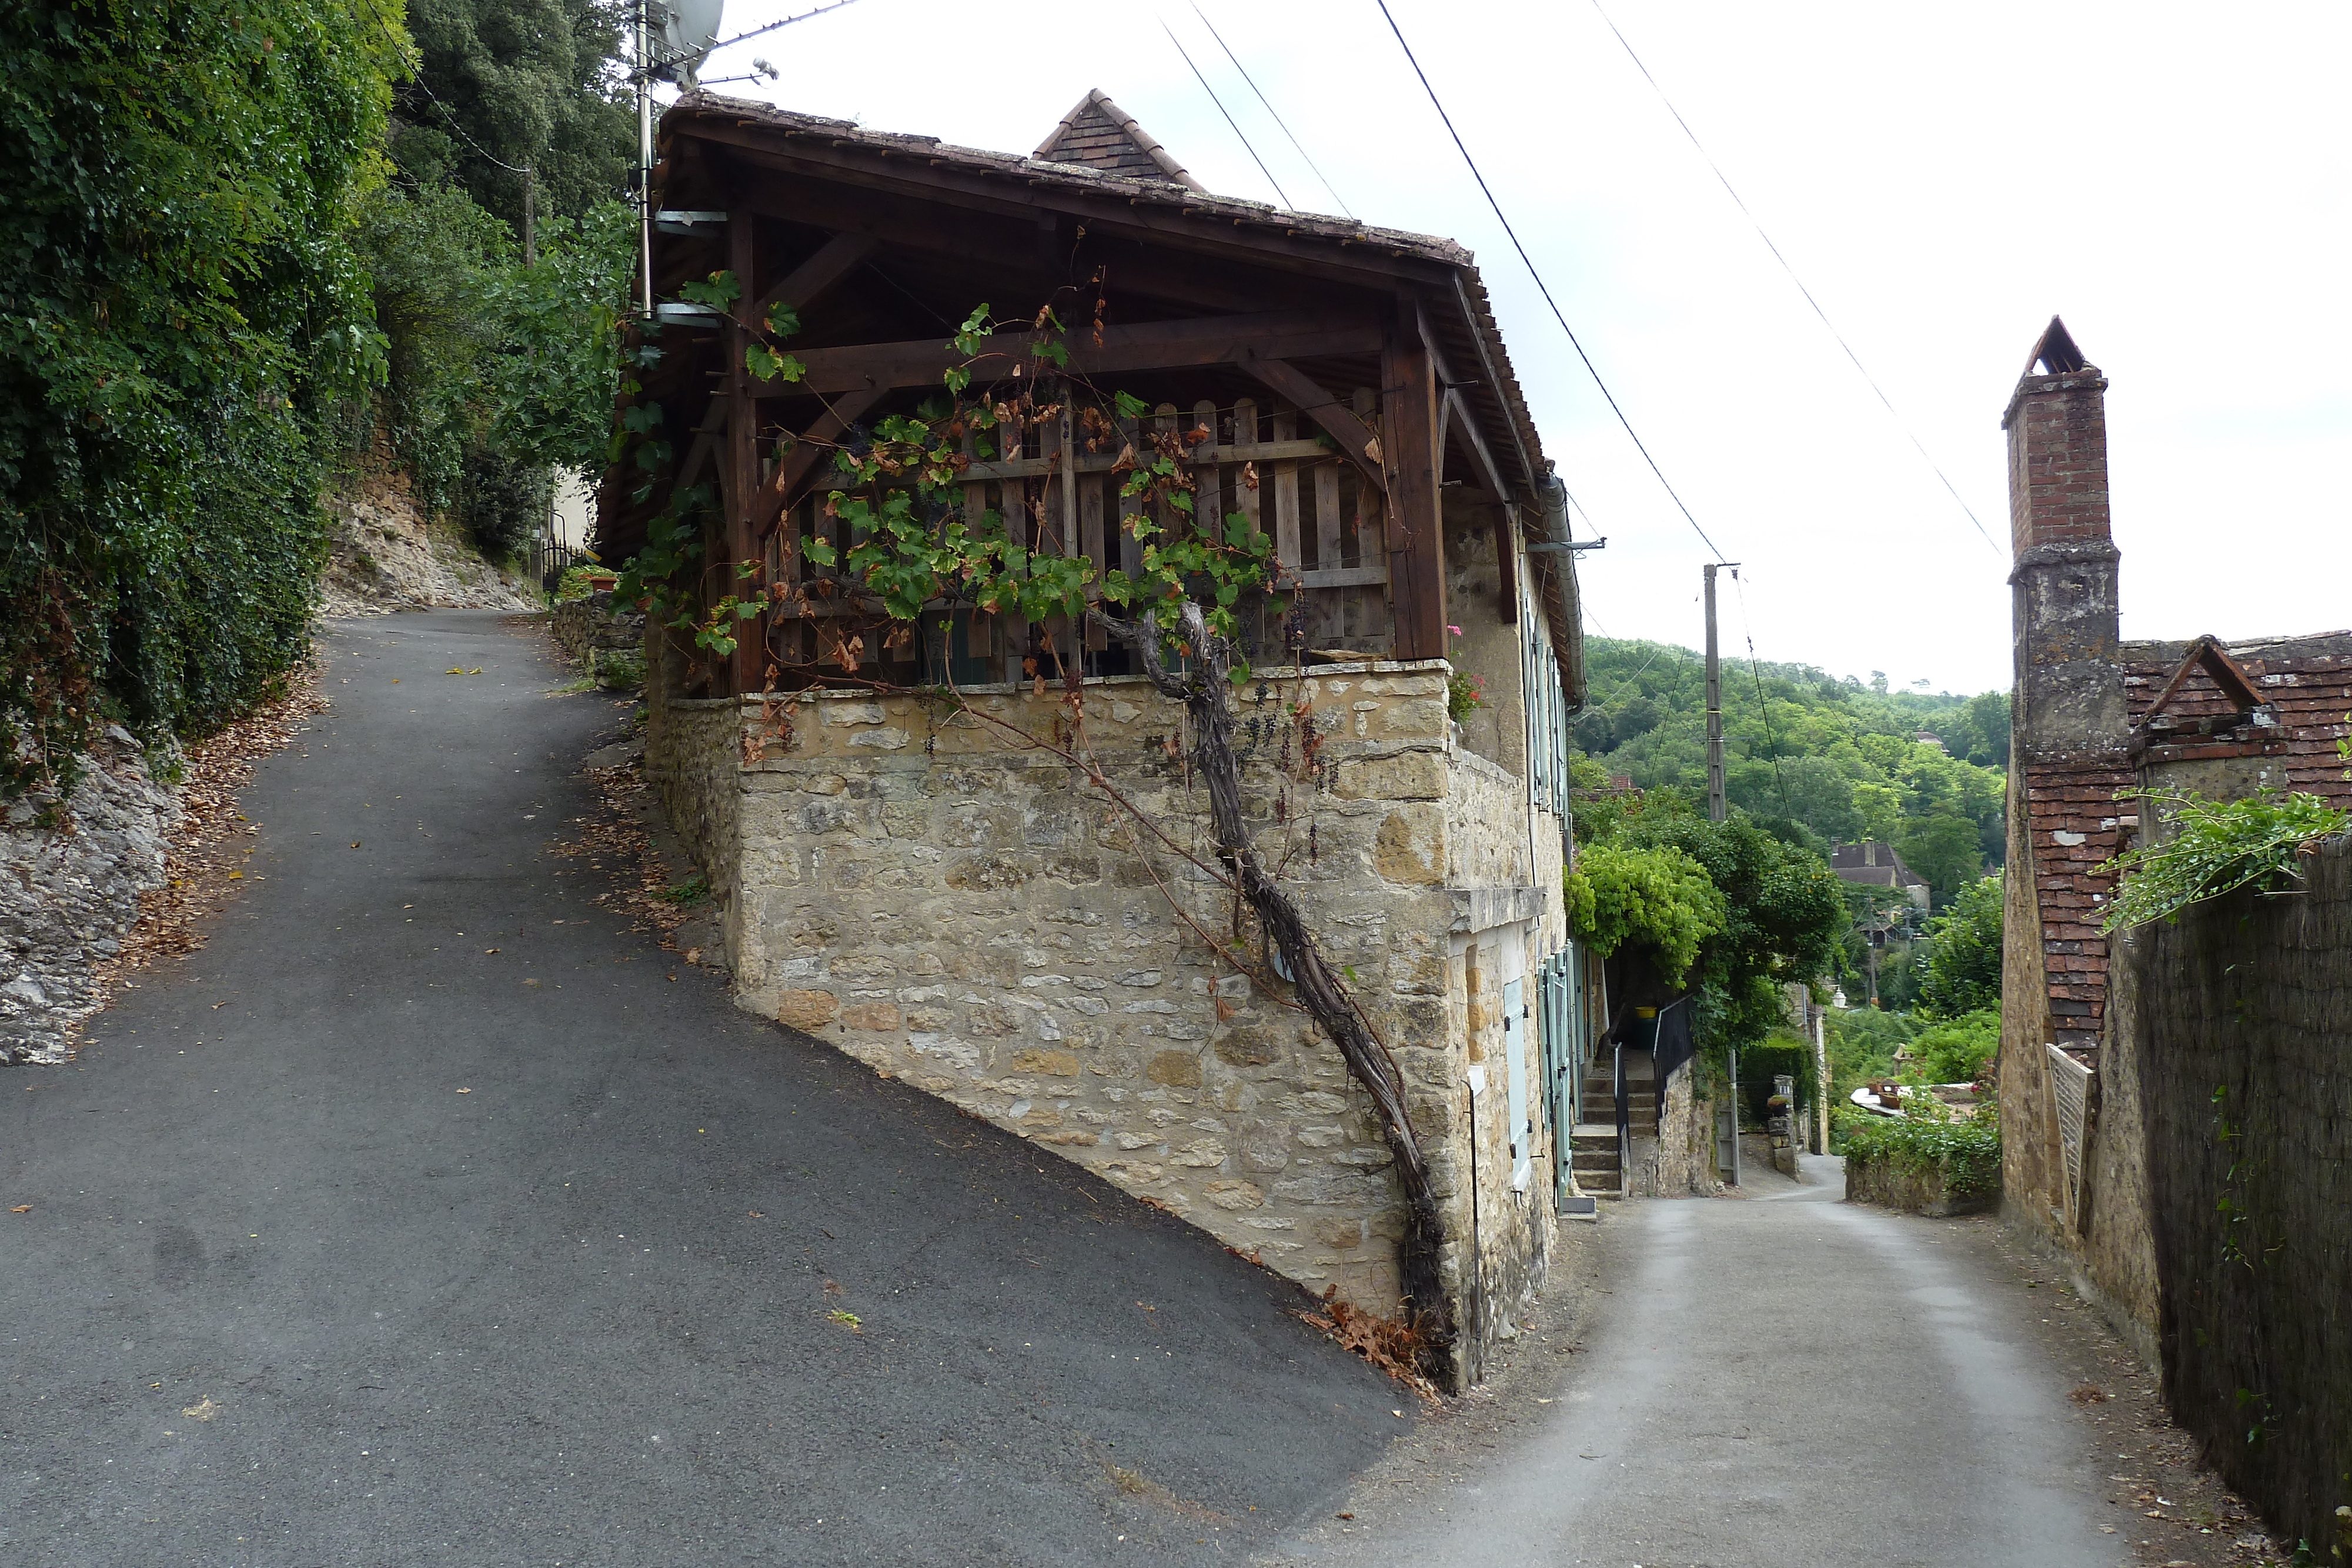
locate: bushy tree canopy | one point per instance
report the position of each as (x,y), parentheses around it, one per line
(1962,970)
(180,307)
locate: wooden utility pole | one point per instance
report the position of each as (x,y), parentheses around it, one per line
(1716,809)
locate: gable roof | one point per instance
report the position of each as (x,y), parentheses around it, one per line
(1099,134)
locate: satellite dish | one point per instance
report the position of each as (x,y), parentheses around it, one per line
(689,29)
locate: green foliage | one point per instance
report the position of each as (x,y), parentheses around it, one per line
(1958,1052)
(1943,848)
(914,542)
(1862,1043)
(1786,914)
(1781,1051)
(555,365)
(523,83)
(1837,756)
(1466,694)
(180,312)
(1661,899)
(2214,847)
(1965,1152)
(1962,971)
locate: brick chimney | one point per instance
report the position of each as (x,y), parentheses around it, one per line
(2069,682)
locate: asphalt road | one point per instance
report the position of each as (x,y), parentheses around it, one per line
(1786,1383)
(427,1217)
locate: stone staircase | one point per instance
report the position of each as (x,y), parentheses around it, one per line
(1592,1143)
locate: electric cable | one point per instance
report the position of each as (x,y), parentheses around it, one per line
(1327,189)
(1770,740)
(1854,359)
(1227,113)
(1544,287)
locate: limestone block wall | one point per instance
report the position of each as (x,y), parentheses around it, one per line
(917,887)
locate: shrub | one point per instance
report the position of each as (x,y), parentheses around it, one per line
(1959,1051)
(1659,898)
(1779,1053)
(1964,1153)
(2214,847)
(1962,970)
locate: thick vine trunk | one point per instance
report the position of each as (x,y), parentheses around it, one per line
(1204,695)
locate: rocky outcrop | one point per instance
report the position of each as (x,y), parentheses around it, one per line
(387,557)
(71,873)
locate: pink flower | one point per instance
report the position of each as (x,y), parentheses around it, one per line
(1456,631)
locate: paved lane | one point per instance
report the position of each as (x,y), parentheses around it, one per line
(355,1242)
(1789,1383)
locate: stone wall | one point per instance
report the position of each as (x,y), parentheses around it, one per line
(911,884)
(70,875)
(605,640)
(2244,1064)
(1890,1186)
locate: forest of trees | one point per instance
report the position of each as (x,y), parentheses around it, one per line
(1836,759)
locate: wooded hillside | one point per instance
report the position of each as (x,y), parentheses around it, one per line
(1840,758)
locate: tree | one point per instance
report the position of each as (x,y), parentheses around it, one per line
(1783,912)
(1943,849)
(1962,970)
(503,85)
(181,315)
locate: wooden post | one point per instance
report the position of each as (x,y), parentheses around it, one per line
(1417,538)
(742,466)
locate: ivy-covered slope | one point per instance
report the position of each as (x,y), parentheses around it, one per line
(181,310)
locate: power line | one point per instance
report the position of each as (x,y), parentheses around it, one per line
(1269,108)
(1770,740)
(1543,287)
(1856,359)
(1222,110)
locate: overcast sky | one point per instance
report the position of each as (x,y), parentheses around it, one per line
(2172,180)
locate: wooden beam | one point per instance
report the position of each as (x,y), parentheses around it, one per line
(1465,423)
(1338,419)
(1159,345)
(835,260)
(800,465)
(1270,240)
(908,223)
(1416,536)
(1507,555)
(741,468)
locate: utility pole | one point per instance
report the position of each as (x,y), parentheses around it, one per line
(1716,809)
(645,75)
(529,217)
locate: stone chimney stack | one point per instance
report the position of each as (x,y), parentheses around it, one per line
(2069,682)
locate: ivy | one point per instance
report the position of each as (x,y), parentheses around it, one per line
(181,312)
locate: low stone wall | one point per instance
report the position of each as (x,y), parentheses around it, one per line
(69,891)
(1892,1185)
(912,885)
(605,641)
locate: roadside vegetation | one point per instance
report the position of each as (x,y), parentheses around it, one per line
(255,247)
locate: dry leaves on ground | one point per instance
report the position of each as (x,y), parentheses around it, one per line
(205,853)
(615,842)
(1392,1346)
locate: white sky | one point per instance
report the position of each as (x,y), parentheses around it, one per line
(2173,180)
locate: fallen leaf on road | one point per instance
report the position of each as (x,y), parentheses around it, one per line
(465,1092)
(202,1410)
(755,1214)
(217,1006)
(849,1320)
(22,1208)
(355,844)
(489,949)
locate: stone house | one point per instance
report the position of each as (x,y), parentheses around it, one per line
(1003,894)
(2095,716)
(1874,865)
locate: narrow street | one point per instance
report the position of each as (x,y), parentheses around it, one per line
(1781,1381)
(427,1215)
